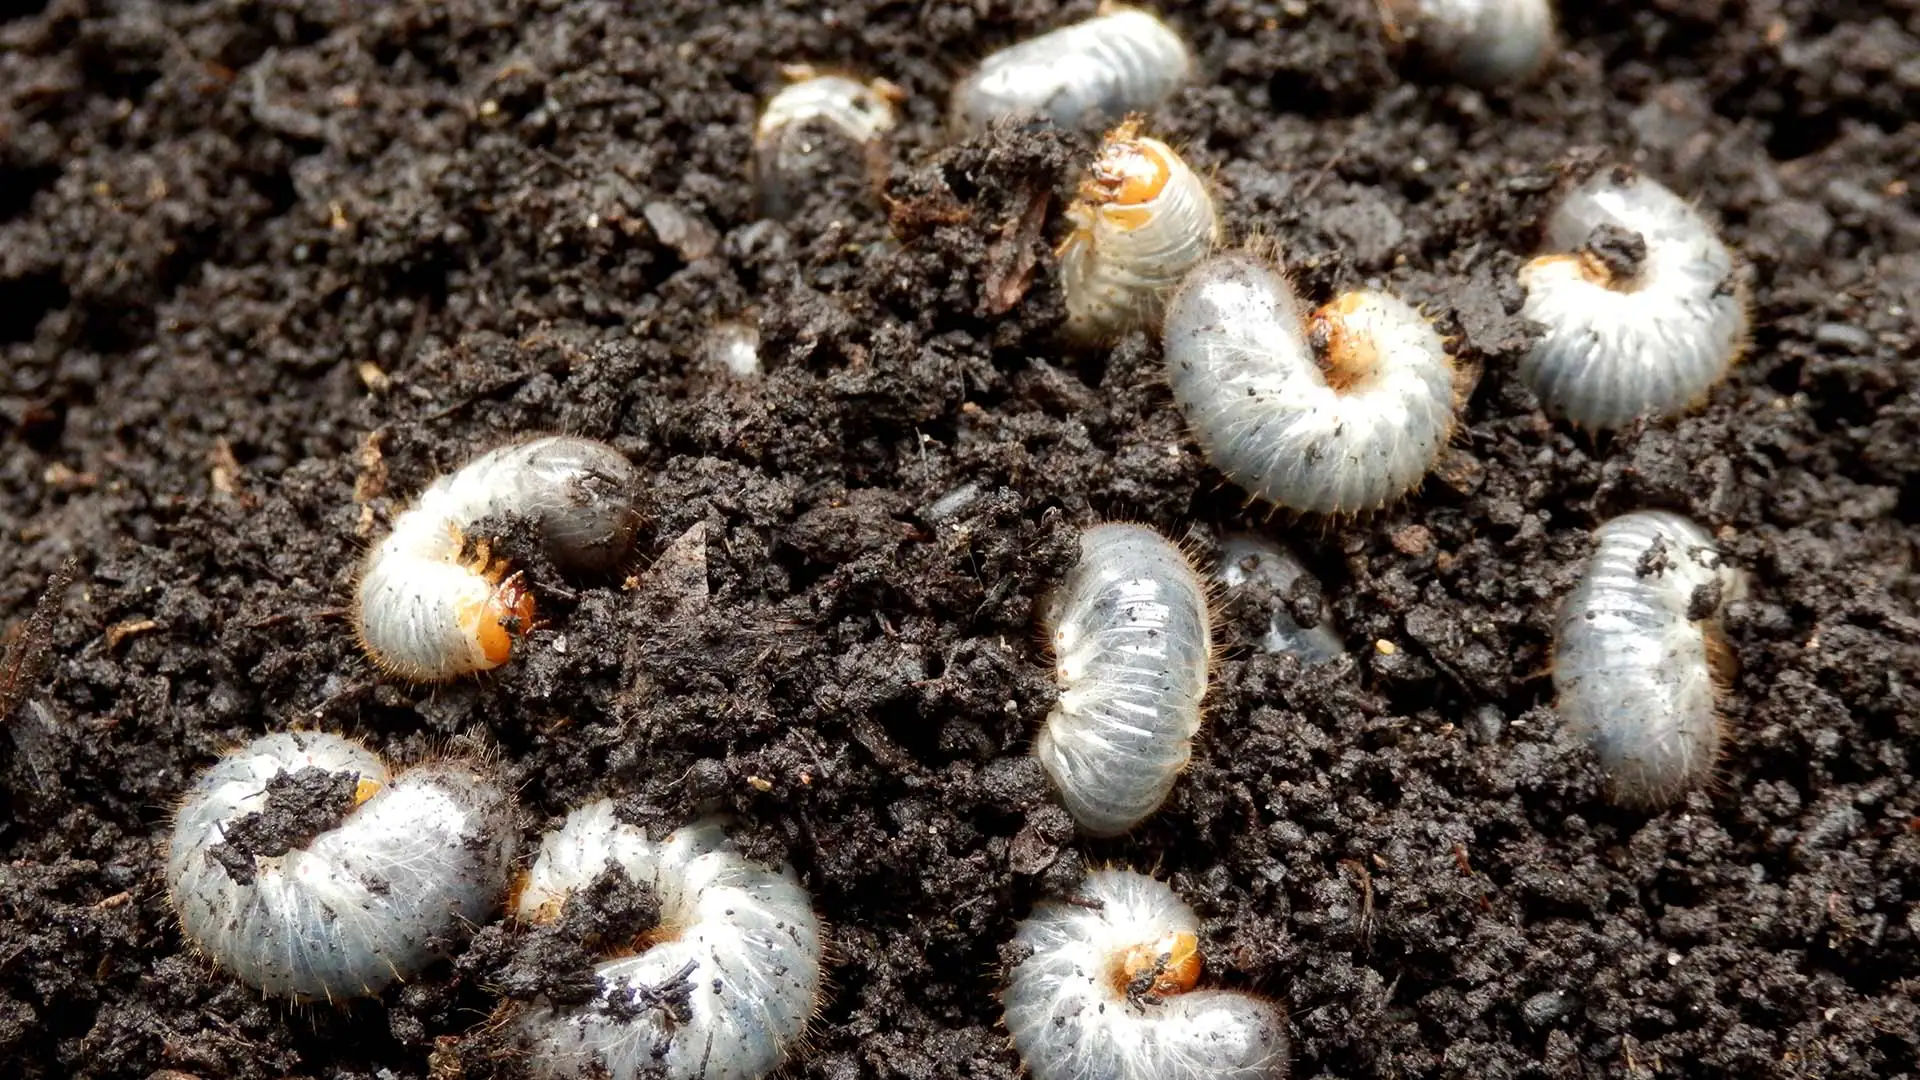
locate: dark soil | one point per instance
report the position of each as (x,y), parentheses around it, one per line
(266,267)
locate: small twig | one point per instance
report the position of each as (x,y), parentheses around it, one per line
(26,655)
(1313,185)
(1366,901)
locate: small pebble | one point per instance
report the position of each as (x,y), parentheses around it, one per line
(1844,336)
(1547,1007)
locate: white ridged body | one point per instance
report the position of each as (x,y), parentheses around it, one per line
(1082,76)
(1245,558)
(1070,1023)
(1483,43)
(749,931)
(1651,347)
(415,599)
(788,134)
(1633,672)
(1131,644)
(392,888)
(1257,398)
(1122,260)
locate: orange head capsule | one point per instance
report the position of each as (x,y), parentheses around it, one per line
(1591,266)
(1348,354)
(543,912)
(508,610)
(1127,178)
(1164,968)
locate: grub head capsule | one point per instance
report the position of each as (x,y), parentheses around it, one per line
(738,952)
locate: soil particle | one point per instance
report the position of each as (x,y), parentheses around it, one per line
(268,269)
(299,806)
(553,965)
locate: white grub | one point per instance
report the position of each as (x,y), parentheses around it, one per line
(809,121)
(415,861)
(1132,640)
(432,603)
(740,941)
(1246,558)
(1084,76)
(1107,991)
(1143,219)
(1639,308)
(1339,412)
(1640,657)
(1483,43)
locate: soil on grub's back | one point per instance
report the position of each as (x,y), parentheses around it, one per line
(266,268)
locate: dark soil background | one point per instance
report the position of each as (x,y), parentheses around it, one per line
(266,266)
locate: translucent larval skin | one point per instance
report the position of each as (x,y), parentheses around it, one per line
(1246,558)
(392,888)
(1259,401)
(1612,351)
(1131,644)
(1070,1021)
(744,937)
(1635,676)
(1082,76)
(424,613)
(1143,219)
(788,132)
(1483,43)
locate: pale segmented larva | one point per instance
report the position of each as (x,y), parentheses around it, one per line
(303,866)
(1336,413)
(1107,992)
(433,603)
(1132,640)
(1641,316)
(1142,220)
(1245,558)
(1081,76)
(807,121)
(1640,654)
(728,983)
(1483,43)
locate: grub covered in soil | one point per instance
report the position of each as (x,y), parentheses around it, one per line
(266,269)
